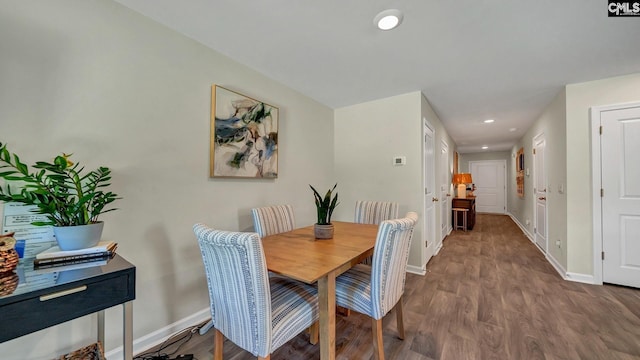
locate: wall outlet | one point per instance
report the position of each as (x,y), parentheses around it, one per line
(558,243)
(528,222)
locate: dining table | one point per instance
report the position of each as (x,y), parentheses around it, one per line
(297,254)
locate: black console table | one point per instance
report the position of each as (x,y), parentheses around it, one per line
(49,297)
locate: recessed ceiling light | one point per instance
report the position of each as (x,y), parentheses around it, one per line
(489,121)
(388,19)
(485,147)
(513,129)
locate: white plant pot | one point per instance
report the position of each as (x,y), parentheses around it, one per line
(78,237)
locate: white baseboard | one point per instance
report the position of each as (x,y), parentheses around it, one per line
(556,265)
(157,337)
(416,270)
(582,278)
(524,229)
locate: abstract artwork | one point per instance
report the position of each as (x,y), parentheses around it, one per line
(244,136)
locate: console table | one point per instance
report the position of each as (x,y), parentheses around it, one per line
(45,298)
(468,203)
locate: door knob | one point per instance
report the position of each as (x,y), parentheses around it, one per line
(448,194)
(542,198)
(434,199)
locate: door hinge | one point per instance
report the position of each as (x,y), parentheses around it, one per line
(426,243)
(603,255)
(534,151)
(601,192)
(600,129)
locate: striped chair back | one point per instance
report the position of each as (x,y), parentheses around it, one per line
(389,267)
(271,220)
(374,212)
(238,284)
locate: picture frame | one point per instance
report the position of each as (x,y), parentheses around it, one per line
(244,136)
(520,173)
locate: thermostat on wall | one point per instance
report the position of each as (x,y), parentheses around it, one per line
(399,160)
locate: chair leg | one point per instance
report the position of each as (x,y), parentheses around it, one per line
(264,358)
(314,331)
(342,311)
(378,345)
(217,345)
(399,320)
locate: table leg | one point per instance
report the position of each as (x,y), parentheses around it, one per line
(101,328)
(327,304)
(127,330)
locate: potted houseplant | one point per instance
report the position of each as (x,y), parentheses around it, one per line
(323,229)
(70,198)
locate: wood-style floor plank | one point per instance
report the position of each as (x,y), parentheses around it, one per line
(488,294)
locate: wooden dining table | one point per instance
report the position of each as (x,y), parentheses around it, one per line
(298,255)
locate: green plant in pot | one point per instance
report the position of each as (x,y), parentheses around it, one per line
(323,229)
(70,198)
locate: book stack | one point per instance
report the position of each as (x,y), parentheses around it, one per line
(54,257)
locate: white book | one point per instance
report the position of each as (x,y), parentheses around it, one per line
(55,252)
(59,268)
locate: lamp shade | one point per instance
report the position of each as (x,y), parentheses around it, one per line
(462,178)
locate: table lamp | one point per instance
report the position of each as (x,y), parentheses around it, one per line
(462,179)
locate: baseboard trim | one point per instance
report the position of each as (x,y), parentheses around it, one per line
(524,229)
(416,270)
(157,337)
(581,278)
(556,265)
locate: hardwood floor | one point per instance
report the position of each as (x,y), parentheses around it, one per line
(488,294)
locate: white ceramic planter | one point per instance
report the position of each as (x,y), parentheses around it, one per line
(323,231)
(78,237)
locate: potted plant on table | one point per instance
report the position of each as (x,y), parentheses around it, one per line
(70,199)
(323,229)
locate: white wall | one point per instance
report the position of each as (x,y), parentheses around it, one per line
(114,88)
(552,124)
(580,98)
(367,137)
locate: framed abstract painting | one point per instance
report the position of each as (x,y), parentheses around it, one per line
(244,136)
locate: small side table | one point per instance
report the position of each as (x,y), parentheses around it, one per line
(68,294)
(464,218)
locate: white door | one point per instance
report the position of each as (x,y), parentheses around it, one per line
(490,178)
(445,184)
(540,192)
(430,195)
(620,147)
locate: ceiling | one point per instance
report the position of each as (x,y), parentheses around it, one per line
(472,59)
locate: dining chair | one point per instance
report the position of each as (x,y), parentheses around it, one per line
(375,290)
(271,220)
(257,312)
(374,212)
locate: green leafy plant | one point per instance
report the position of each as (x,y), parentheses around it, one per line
(60,190)
(325,205)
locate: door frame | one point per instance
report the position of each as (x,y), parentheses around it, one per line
(596,183)
(537,139)
(429,235)
(444,195)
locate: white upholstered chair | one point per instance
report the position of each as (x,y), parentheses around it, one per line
(374,212)
(267,220)
(257,312)
(375,290)
(271,220)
